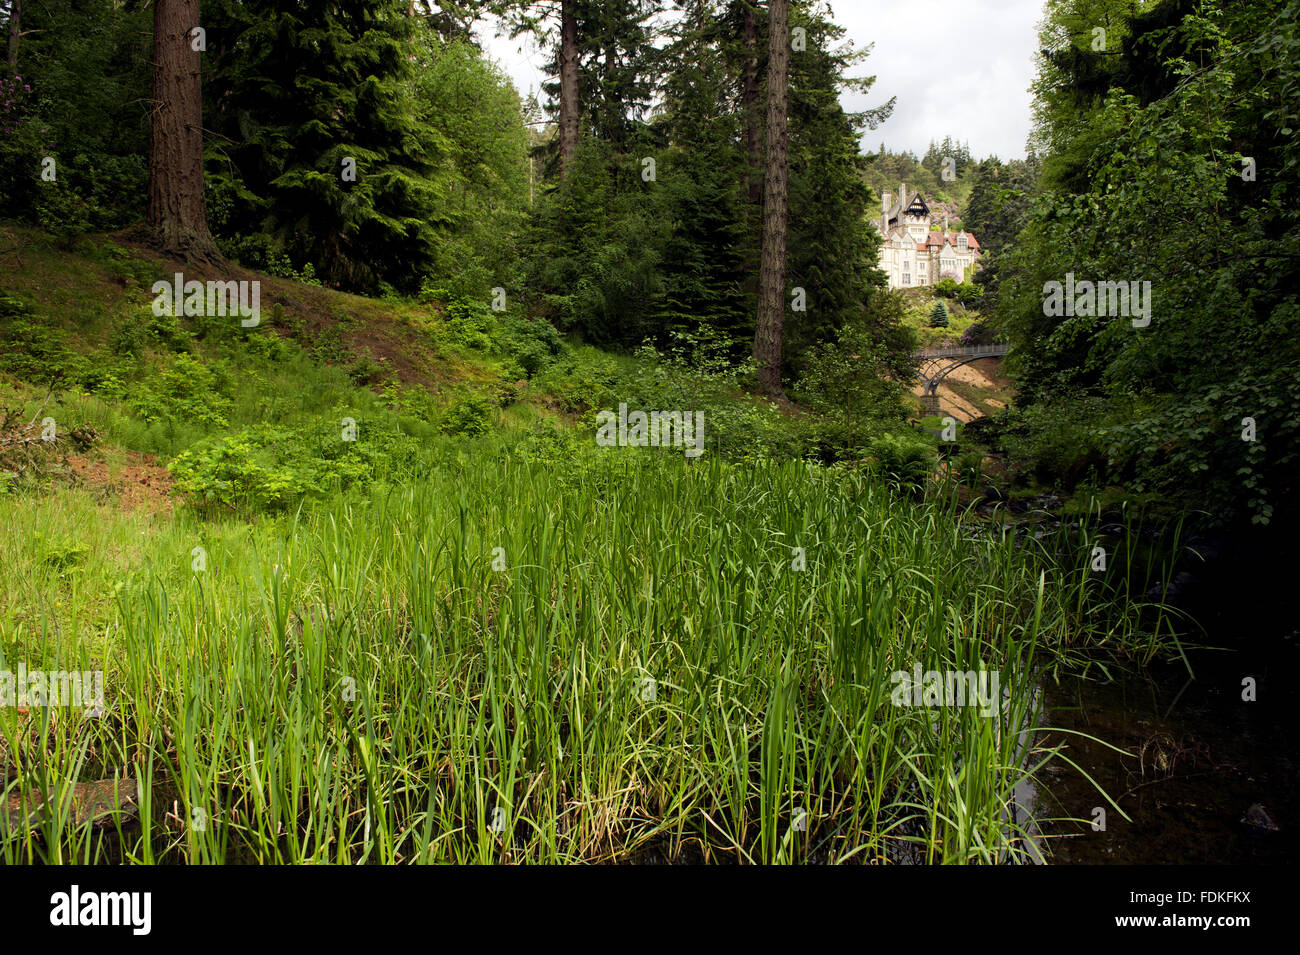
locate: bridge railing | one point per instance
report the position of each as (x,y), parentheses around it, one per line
(965,351)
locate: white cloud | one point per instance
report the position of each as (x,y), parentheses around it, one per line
(959,68)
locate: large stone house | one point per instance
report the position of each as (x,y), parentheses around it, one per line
(916,254)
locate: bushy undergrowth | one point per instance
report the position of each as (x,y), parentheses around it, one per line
(161,384)
(272,468)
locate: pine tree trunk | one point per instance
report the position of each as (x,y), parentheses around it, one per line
(15,32)
(749,105)
(177,216)
(771,275)
(568,83)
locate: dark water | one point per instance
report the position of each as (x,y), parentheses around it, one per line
(1206,777)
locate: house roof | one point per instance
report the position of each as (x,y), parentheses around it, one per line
(917,206)
(895,230)
(940,239)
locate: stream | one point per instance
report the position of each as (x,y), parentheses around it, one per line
(1210,777)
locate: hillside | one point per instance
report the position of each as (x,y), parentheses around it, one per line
(979,389)
(202,410)
(84,347)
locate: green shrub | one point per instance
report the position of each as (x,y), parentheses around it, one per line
(62,554)
(547,444)
(34,351)
(127,338)
(107,378)
(268,468)
(189,389)
(261,252)
(264,343)
(63,212)
(366,371)
(471,323)
(532,343)
(969,467)
(904,460)
(1058,444)
(583,381)
(471,416)
(946,288)
(970,295)
(461,272)
(410,401)
(853,382)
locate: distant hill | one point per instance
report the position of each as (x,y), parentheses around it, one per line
(926,174)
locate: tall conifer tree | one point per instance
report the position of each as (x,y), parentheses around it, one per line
(771,277)
(330,159)
(177,214)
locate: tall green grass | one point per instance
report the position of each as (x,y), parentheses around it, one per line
(649,676)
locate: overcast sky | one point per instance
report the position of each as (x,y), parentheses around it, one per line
(959,68)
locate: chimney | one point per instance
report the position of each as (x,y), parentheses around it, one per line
(945,223)
(902,200)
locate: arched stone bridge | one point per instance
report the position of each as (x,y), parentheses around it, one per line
(936,364)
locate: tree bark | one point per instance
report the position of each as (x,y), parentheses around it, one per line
(568,83)
(771,275)
(15,33)
(177,215)
(749,105)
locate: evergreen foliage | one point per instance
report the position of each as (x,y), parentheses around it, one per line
(300,92)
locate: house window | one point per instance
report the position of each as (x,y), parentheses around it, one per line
(907,279)
(961,242)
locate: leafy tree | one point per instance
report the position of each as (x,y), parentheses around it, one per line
(853,378)
(79,97)
(469,109)
(1194,384)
